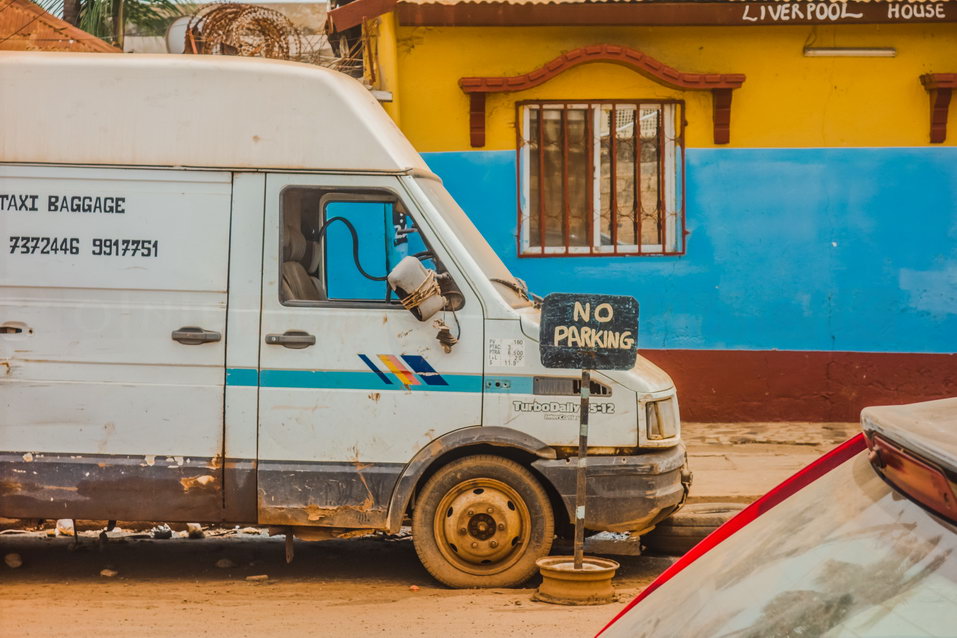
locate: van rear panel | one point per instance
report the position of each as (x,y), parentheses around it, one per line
(111,397)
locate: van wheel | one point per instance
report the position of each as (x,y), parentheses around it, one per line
(482,521)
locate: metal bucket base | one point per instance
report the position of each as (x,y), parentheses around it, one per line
(562,584)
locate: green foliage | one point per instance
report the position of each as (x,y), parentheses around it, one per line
(148,17)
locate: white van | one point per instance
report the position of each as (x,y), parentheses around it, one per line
(196,325)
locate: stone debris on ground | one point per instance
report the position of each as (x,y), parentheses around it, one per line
(13,560)
(258,578)
(162,532)
(108,573)
(194,530)
(414,588)
(64,527)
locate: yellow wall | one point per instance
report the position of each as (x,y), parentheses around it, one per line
(788,100)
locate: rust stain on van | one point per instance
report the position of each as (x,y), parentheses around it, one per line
(204,482)
(315,513)
(375,396)
(364,516)
(10,487)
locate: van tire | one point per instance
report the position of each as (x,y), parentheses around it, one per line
(689,526)
(482,521)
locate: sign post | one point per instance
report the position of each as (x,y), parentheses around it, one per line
(588,332)
(580,471)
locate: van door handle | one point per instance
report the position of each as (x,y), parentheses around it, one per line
(292,339)
(193,336)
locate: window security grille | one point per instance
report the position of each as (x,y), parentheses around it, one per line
(601,178)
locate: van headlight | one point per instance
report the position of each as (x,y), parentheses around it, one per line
(660,421)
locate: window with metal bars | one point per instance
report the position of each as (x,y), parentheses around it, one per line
(601,178)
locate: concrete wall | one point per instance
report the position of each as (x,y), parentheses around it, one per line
(820,272)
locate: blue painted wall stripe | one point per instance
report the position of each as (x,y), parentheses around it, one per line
(845,249)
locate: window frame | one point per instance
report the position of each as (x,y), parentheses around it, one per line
(671,180)
(341,193)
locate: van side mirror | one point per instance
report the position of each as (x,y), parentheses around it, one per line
(417,287)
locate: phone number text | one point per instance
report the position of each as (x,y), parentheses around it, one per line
(99,247)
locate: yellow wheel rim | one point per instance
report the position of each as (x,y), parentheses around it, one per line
(482,526)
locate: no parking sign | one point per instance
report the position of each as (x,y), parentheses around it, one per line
(589,332)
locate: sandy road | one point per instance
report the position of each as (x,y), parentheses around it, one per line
(350,588)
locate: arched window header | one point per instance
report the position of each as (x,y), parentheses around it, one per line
(720,84)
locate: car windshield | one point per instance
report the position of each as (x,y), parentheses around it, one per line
(846,556)
(497,272)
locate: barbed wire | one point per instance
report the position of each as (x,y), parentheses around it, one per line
(243,29)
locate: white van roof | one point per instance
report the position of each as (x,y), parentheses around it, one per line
(192,110)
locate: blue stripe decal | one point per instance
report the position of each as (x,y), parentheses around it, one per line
(375,369)
(357,380)
(242,377)
(421,367)
(360,380)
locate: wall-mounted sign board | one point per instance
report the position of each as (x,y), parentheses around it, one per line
(490,14)
(589,332)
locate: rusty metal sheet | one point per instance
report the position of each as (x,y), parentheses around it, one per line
(132,488)
(326,494)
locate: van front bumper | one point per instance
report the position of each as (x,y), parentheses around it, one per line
(623,493)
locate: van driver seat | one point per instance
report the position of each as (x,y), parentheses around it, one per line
(296,282)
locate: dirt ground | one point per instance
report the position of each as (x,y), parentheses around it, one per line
(351,588)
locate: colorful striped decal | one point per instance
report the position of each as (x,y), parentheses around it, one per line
(418,364)
(372,367)
(425,371)
(405,376)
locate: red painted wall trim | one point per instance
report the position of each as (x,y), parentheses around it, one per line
(633,59)
(720,84)
(743,385)
(804,477)
(939,86)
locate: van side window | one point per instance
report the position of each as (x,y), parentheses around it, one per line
(340,246)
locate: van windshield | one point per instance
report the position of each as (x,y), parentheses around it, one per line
(491,265)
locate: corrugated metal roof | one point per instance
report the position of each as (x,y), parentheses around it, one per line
(24,26)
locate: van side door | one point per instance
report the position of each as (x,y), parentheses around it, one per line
(352,385)
(112,342)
